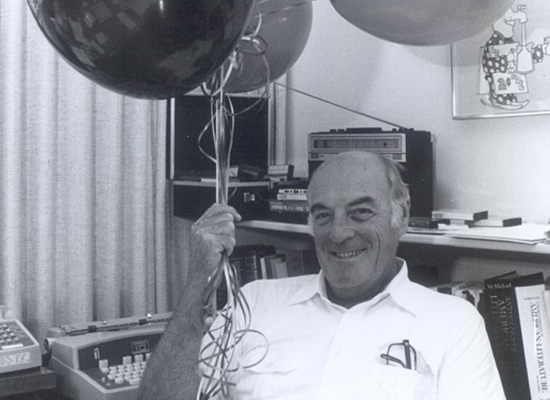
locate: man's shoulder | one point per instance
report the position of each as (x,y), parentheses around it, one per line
(434,302)
(280,285)
(278,291)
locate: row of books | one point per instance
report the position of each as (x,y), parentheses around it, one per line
(454,219)
(517,315)
(516,310)
(471,218)
(254,262)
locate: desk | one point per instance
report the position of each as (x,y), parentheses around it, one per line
(22,385)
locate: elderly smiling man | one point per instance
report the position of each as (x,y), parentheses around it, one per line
(358,330)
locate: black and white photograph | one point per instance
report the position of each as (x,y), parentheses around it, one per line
(274,200)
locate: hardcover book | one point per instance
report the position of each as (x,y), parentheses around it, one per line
(535,331)
(274,266)
(295,262)
(457,214)
(499,221)
(500,310)
(423,222)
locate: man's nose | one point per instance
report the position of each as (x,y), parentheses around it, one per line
(340,231)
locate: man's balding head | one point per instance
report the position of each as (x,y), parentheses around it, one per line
(341,167)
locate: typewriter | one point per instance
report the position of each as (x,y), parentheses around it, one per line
(103,359)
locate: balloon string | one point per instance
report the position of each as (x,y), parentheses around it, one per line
(297,4)
(252,44)
(338,105)
(216,357)
(258,26)
(220,117)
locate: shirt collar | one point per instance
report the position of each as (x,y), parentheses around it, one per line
(312,287)
(400,289)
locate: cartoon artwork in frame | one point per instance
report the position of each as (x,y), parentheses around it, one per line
(505,70)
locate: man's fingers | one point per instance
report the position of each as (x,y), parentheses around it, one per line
(221,243)
(217,211)
(219,220)
(219,227)
(212,235)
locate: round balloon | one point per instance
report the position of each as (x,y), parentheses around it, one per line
(144,48)
(284,28)
(422,22)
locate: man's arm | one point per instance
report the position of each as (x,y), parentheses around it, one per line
(171,371)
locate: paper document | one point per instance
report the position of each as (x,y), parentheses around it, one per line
(526,233)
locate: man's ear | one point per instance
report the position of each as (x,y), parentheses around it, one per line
(310,224)
(404,216)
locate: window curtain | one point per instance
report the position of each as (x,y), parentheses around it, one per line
(83,208)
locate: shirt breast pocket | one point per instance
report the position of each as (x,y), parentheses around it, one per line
(267,378)
(396,383)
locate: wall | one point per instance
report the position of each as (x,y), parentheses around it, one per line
(499,164)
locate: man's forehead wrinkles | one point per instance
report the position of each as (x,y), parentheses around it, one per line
(362,200)
(319,205)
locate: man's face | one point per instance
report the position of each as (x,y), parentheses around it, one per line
(350,215)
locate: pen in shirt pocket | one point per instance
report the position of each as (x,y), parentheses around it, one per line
(401,353)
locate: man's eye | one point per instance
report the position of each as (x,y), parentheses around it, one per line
(362,213)
(321,217)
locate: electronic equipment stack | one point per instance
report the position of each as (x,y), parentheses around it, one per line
(288,202)
(190,150)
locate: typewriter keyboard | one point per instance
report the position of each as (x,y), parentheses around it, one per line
(127,373)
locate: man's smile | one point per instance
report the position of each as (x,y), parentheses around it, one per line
(346,254)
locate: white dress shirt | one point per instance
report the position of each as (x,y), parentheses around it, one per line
(319,350)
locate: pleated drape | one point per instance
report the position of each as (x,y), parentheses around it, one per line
(83,210)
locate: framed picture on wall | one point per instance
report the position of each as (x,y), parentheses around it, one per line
(505,70)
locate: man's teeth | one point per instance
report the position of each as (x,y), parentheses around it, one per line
(348,254)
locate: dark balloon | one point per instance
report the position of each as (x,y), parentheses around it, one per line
(284,31)
(422,22)
(144,48)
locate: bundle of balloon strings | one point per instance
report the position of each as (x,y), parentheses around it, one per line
(215,362)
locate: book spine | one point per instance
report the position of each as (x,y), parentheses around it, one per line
(272,263)
(281,269)
(501,315)
(294,262)
(494,222)
(535,329)
(460,215)
(263,268)
(249,269)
